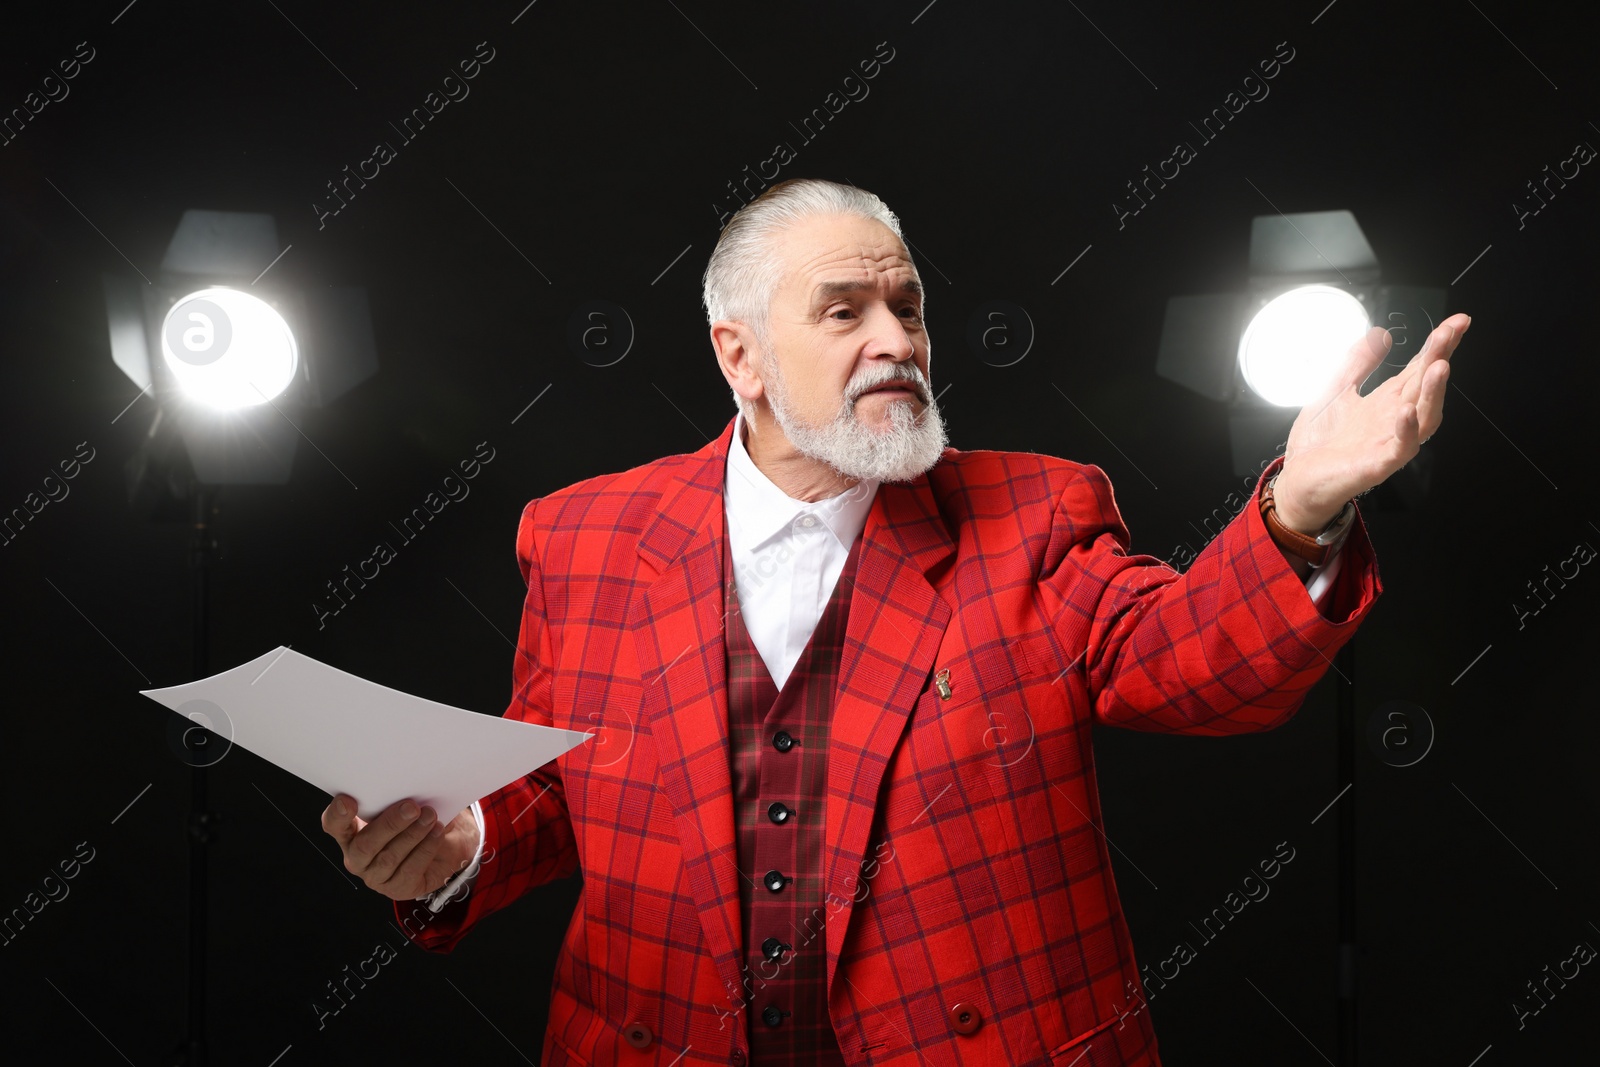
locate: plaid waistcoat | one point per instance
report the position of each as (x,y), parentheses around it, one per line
(779,761)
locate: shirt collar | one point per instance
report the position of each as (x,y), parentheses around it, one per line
(762,510)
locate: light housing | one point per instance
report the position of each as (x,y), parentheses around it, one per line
(1203,337)
(237,410)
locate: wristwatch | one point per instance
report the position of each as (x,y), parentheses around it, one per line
(1314,550)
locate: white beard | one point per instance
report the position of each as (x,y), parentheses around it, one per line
(910,445)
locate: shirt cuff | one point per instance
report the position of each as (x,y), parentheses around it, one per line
(463,881)
(1320,580)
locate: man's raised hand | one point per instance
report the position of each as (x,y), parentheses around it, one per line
(405,852)
(1343,443)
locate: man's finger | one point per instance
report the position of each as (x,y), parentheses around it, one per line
(1407,427)
(416,864)
(386,865)
(1362,359)
(1430,402)
(1442,340)
(338,819)
(1441,344)
(369,843)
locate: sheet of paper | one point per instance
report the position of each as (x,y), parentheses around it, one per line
(344,734)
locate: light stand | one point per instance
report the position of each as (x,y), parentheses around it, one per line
(1200,350)
(1345,832)
(179,340)
(202,821)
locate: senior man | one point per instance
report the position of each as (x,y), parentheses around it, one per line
(840,806)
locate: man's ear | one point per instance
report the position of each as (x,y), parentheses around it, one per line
(737,356)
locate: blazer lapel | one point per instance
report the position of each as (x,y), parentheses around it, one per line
(679,640)
(896,625)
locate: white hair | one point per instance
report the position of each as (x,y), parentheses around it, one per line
(744,271)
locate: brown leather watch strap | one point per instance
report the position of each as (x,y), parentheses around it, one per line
(1296,544)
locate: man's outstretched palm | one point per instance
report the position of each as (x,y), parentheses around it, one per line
(1343,443)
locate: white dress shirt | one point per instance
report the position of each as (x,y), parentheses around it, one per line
(787,554)
(787,557)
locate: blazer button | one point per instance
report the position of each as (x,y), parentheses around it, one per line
(638,1035)
(737,1059)
(965,1018)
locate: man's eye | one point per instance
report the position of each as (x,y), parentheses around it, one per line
(911,313)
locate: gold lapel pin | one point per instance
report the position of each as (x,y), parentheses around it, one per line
(943,682)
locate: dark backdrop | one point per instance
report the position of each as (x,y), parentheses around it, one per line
(591,162)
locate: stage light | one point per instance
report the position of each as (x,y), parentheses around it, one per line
(234,354)
(242,358)
(228,349)
(1294,346)
(1265,349)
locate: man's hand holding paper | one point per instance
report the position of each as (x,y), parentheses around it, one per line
(406,852)
(396,759)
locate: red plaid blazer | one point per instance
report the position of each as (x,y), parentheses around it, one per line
(972,916)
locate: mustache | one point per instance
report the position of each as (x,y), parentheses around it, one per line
(901,373)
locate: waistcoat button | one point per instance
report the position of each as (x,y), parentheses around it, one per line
(965,1018)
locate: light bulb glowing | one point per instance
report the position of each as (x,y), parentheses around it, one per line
(228,349)
(1296,344)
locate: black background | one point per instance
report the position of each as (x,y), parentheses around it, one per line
(598,141)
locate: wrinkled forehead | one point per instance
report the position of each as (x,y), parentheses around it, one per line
(818,254)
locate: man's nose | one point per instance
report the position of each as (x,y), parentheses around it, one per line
(890,337)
